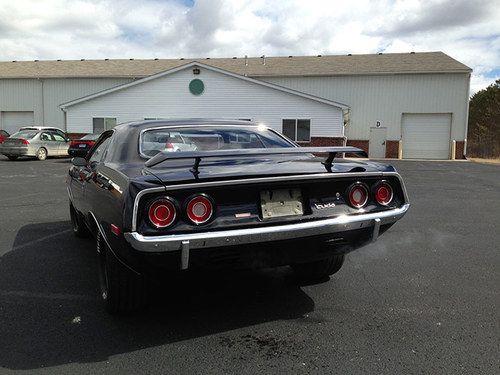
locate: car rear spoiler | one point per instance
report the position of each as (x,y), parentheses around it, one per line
(198,155)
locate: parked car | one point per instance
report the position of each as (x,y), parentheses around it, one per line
(247,196)
(3,135)
(166,140)
(80,147)
(35,143)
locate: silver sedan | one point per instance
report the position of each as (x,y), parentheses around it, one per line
(39,144)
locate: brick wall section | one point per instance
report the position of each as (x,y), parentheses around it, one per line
(323,142)
(459,150)
(391,149)
(358,143)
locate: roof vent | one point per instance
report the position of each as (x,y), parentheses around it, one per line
(290,56)
(36,60)
(234,57)
(14,61)
(412,52)
(207,58)
(106,59)
(349,54)
(319,56)
(380,53)
(131,59)
(156,58)
(182,58)
(82,59)
(58,59)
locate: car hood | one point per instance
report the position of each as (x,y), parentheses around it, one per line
(181,171)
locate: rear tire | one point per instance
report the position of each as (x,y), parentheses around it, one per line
(319,269)
(12,157)
(41,154)
(122,290)
(77,224)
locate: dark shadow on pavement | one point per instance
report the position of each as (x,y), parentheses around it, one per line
(50,313)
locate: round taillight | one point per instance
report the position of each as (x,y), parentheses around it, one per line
(358,195)
(383,193)
(162,213)
(199,209)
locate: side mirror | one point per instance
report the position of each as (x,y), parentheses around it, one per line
(79,162)
(67,139)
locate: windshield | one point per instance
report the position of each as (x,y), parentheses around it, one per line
(209,138)
(25,134)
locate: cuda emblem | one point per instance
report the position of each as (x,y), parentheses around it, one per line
(320,206)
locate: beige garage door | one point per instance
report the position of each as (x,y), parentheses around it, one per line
(12,121)
(426,135)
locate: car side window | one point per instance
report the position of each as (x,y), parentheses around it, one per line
(58,137)
(99,151)
(45,137)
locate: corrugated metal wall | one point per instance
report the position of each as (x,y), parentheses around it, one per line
(224,96)
(43,96)
(386,97)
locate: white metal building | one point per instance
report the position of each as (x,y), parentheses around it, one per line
(411,105)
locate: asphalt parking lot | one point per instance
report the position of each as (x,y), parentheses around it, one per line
(424,299)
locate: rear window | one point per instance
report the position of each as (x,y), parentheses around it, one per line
(208,138)
(90,137)
(25,134)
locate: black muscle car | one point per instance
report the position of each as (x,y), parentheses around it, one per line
(242,195)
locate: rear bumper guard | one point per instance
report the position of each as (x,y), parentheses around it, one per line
(205,240)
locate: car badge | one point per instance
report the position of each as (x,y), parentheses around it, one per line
(322,206)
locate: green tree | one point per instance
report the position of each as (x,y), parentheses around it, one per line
(484,122)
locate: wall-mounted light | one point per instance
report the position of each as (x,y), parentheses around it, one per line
(196,71)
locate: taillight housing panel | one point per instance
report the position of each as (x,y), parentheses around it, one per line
(383,193)
(199,209)
(358,195)
(162,212)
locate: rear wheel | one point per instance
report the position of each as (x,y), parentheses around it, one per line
(12,157)
(122,290)
(41,154)
(77,224)
(319,269)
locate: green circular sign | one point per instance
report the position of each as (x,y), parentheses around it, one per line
(196,86)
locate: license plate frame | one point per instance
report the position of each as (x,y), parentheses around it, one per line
(281,203)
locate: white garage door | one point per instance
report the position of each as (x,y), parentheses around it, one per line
(12,121)
(426,136)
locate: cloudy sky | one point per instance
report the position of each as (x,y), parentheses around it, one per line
(72,29)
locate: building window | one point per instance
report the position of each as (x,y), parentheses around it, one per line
(298,130)
(100,124)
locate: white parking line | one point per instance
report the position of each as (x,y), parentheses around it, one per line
(51,296)
(40,240)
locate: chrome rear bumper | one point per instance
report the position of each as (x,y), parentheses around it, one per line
(204,240)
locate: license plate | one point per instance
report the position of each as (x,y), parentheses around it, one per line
(82,146)
(285,202)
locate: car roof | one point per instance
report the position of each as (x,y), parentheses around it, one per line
(40,128)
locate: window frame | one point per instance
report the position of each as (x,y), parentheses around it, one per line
(104,118)
(297,119)
(105,135)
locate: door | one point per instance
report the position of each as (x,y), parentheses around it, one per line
(48,143)
(11,121)
(426,135)
(376,147)
(62,143)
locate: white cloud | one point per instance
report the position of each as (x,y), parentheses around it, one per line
(74,29)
